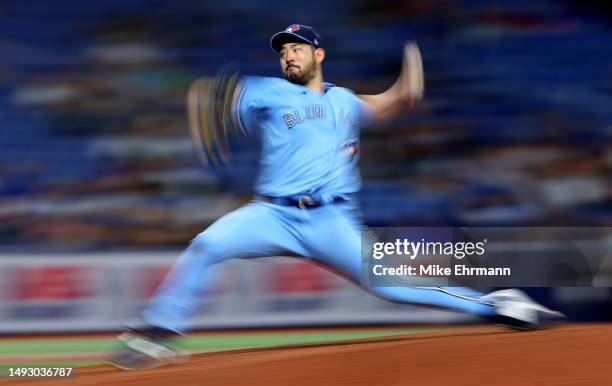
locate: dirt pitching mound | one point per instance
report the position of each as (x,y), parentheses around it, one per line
(569,355)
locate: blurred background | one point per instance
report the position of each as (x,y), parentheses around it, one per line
(100,188)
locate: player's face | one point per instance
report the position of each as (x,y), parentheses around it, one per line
(299,62)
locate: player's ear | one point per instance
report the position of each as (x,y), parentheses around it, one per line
(319,55)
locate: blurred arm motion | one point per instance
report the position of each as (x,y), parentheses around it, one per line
(407,89)
(210,111)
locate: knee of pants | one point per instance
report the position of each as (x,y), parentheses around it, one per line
(206,248)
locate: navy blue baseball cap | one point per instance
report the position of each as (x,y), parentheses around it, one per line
(296,33)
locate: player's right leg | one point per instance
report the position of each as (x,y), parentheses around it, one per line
(252,231)
(257,229)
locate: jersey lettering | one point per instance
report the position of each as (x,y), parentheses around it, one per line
(288,118)
(347,119)
(309,113)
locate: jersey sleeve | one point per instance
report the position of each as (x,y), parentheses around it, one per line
(250,102)
(364,112)
(361,110)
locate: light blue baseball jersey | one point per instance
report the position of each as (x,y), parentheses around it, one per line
(309,146)
(309,139)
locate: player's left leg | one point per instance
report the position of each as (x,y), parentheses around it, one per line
(341,249)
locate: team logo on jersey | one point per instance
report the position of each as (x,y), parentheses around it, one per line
(293,27)
(351,148)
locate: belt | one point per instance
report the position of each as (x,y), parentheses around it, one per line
(302,202)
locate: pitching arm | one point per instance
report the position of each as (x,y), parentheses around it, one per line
(407,90)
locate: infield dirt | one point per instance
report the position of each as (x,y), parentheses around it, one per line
(574,354)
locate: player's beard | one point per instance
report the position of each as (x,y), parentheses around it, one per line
(304,74)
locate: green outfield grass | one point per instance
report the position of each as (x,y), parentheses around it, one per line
(91,349)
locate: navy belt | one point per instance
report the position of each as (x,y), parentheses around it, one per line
(302,202)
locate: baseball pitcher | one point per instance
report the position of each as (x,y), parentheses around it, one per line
(304,202)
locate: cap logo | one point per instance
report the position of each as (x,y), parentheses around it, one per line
(293,27)
(316,42)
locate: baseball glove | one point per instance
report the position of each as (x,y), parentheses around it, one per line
(211,115)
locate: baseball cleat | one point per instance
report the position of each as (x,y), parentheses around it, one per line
(139,351)
(516,310)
